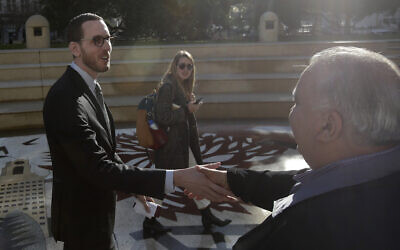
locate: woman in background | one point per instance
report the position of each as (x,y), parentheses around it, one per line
(175,113)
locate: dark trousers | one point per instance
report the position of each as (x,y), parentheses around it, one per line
(84,244)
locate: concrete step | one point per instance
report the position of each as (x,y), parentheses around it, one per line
(112,86)
(14,91)
(27,115)
(236,80)
(257,49)
(21,115)
(199,51)
(149,68)
(146,68)
(246,83)
(224,65)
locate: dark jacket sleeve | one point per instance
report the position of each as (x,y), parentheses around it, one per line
(117,158)
(260,188)
(164,113)
(194,138)
(76,141)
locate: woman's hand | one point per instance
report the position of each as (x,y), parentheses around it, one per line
(193,107)
(192,97)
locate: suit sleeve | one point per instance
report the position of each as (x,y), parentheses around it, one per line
(260,188)
(164,113)
(78,140)
(118,159)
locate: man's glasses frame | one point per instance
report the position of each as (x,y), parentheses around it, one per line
(99,40)
(182,66)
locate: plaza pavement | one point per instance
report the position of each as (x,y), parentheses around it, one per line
(248,144)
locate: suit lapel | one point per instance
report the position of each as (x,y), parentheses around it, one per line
(88,94)
(103,115)
(99,112)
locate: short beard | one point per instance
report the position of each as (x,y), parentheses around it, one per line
(90,62)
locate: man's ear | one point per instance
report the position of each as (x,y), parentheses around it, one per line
(331,126)
(75,49)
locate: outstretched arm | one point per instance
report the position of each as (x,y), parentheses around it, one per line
(200,186)
(259,188)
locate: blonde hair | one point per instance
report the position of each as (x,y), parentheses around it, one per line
(172,75)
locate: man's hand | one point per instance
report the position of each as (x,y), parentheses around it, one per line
(219,177)
(198,185)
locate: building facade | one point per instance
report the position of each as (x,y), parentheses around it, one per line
(23,191)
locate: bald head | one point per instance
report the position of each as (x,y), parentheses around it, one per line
(364,87)
(347,103)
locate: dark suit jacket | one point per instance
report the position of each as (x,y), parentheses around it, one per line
(86,169)
(363,216)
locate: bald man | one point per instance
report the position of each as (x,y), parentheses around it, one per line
(346,122)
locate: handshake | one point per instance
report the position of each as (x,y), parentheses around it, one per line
(204,181)
(200,182)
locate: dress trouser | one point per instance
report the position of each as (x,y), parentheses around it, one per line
(85,245)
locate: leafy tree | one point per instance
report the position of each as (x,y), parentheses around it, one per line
(191,20)
(163,19)
(347,10)
(170,19)
(291,12)
(61,11)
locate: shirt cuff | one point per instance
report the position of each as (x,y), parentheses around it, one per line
(169,181)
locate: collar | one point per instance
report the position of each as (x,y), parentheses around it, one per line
(85,76)
(340,174)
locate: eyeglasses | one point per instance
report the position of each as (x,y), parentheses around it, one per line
(99,40)
(183,65)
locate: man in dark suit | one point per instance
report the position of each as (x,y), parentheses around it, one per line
(87,172)
(346,122)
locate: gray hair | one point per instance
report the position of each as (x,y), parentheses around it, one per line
(364,87)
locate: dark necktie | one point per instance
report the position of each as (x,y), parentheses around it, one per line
(100,99)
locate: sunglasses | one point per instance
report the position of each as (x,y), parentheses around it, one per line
(183,65)
(99,40)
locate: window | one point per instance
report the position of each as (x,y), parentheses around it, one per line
(37,31)
(269,25)
(18,170)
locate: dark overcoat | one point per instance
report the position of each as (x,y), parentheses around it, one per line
(171,114)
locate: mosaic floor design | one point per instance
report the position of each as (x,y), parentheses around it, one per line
(255,147)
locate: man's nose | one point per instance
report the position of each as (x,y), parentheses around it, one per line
(107,45)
